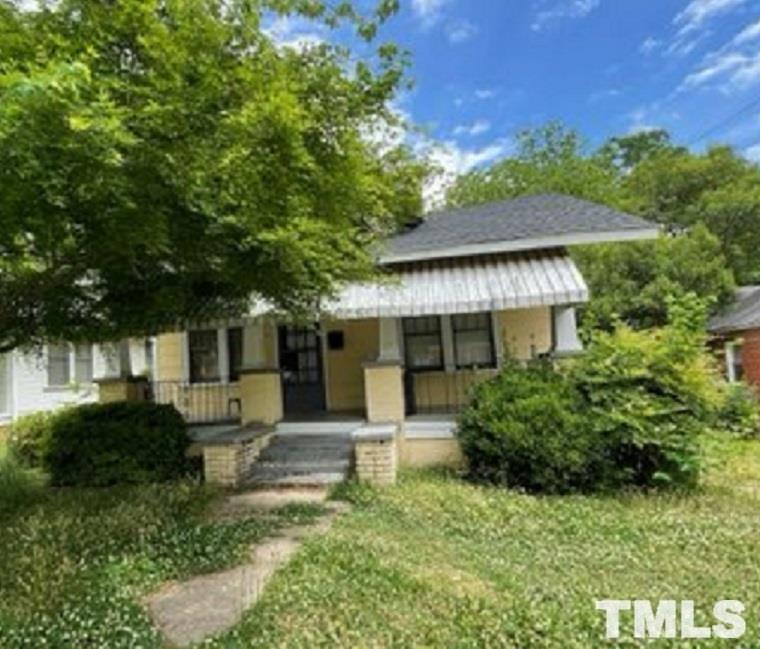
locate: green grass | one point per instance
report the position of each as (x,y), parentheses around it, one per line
(74,564)
(435,562)
(431,562)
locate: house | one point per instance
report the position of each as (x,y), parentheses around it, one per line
(395,360)
(736,334)
(63,374)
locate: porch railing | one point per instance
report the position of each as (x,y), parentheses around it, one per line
(442,392)
(200,403)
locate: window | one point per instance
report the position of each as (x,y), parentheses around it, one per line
(5,387)
(734,361)
(422,343)
(204,356)
(58,369)
(83,363)
(473,340)
(67,364)
(235,352)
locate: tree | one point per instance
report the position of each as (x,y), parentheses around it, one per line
(548,159)
(634,282)
(718,188)
(165,161)
(628,151)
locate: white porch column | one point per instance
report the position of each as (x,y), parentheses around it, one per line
(390,346)
(566,339)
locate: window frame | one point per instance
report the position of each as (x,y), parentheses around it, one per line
(488,328)
(224,367)
(191,375)
(731,364)
(72,365)
(406,335)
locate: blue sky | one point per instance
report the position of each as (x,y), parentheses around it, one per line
(483,69)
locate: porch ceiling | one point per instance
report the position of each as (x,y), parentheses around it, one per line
(466,285)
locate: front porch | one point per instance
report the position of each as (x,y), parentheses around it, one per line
(396,363)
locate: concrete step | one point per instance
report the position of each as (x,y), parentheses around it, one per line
(294,459)
(331,428)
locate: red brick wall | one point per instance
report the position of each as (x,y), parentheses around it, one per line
(751,356)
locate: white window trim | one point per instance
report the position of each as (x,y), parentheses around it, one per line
(73,385)
(730,350)
(447,343)
(7,408)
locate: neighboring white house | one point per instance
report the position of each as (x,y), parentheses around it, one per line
(62,374)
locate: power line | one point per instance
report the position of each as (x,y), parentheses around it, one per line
(719,126)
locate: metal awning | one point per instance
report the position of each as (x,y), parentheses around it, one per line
(466,285)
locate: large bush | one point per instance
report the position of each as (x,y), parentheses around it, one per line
(630,411)
(106,444)
(524,429)
(29,436)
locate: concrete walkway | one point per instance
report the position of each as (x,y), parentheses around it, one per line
(191,611)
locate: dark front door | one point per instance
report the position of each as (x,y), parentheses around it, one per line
(301,367)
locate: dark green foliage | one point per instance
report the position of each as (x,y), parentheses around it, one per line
(738,413)
(524,429)
(106,444)
(630,411)
(29,436)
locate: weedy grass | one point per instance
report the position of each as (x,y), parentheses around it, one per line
(74,563)
(437,562)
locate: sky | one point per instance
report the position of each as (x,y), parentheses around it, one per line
(484,69)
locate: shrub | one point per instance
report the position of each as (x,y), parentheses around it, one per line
(738,413)
(106,444)
(523,429)
(29,436)
(17,486)
(630,411)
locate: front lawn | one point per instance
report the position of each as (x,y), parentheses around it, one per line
(74,563)
(435,562)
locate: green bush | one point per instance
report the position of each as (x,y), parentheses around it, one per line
(523,429)
(29,436)
(630,411)
(738,413)
(115,443)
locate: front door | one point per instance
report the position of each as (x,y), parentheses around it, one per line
(301,367)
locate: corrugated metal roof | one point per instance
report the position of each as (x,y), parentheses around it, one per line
(743,314)
(466,285)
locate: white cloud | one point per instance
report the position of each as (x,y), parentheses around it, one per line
(713,68)
(605,94)
(750,33)
(460,31)
(452,160)
(562,10)
(296,33)
(485,93)
(476,128)
(428,11)
(649,45)
(697,12)
(752,153)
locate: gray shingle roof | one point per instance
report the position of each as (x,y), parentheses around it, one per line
(743,313)
(525,223)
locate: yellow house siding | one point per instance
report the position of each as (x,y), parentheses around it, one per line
(523,332)
(345,367)
(169,357)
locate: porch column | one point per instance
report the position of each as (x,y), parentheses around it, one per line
(566,341)
(384,380)
(260,384)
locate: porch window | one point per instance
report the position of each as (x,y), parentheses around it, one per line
(235,352)
(422,343)
(473,340)
(204,356)
(83,363)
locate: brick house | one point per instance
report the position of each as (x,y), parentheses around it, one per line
(736,333)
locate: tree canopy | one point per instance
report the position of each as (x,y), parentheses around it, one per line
(165,161)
